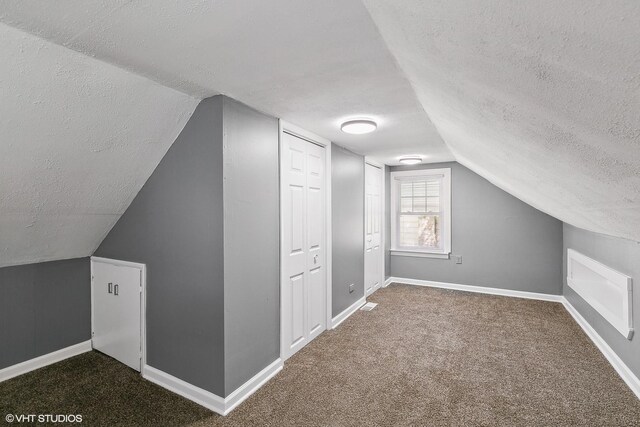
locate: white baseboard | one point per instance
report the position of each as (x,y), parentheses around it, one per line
(478,289)
(196,394)
(348,312)
(621,368)
(207,399)
(42,361)
(240,394)
(387,282)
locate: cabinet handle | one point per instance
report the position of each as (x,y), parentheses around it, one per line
(115,290)
(110,287)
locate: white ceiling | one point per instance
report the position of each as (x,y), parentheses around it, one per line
(541,98)
(315,63)
(78,140)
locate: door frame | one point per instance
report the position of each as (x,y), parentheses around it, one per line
(291,129)
(143,301)
(383,220)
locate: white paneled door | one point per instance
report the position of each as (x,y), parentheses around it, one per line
(116,311)
(304,274)
(373,234)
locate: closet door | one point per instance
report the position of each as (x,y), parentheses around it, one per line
(316,212)
(116,315)
(303,285)
(373,234)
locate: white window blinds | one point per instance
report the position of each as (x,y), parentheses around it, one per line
(419,216)
(421,211)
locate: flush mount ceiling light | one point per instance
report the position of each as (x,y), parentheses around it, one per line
(411,160)
(358,127)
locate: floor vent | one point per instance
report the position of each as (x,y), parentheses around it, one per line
(369,306)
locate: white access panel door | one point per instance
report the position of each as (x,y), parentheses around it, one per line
(373,234)
(116,315)
(303,285)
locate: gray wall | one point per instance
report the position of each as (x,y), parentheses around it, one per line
(44,307)
(347,221)
(206,223)
(619,254)
(175,226)
(252,239)
(504,242)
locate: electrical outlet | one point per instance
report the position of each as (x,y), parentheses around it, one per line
(458,259)
(351,288)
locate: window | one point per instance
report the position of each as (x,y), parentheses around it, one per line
(421,213)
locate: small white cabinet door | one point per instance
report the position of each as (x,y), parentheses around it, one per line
(373,234)
(116,293)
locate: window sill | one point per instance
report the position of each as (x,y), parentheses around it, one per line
(419,254)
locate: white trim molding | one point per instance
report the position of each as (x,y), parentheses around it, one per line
(347,312)
(195,394)
(387,282)
(478,289)
(241,394)
(419,254)
(207,399)
(621,368)
(45,360)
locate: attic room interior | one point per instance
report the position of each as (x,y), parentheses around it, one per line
(319,213)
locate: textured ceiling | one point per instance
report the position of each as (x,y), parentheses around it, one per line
(314,63)
(78,138)
(87,110)
(542,98)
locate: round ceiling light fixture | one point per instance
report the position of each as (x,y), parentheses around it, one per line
(358,127)
(410,160)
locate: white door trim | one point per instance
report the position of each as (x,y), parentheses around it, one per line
(143,299)
(383,216)
(294,130)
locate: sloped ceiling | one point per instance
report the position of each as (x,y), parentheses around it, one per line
(315,63)
(78,138)
(87,112)
(540,97)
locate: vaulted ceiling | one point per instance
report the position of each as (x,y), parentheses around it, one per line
(78,139)
(541,98)
(313,62)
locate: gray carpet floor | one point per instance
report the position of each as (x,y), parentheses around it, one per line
(422,357)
